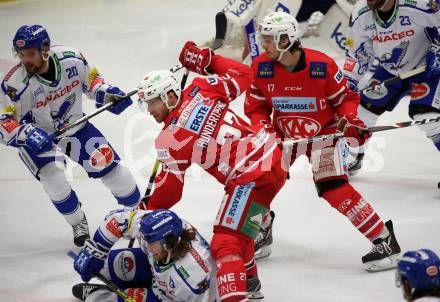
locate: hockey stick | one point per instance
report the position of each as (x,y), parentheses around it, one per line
(89,116)
(107,282)
(371,129)
(393,80)
(220,33)
(147,192)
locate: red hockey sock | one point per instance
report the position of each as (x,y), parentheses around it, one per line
(231,279)
(227,251)
(360,213)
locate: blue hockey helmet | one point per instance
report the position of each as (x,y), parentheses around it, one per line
(30,37)
(420,270)
(159,224)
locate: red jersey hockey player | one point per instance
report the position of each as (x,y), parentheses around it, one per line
(200,128)
(306,94)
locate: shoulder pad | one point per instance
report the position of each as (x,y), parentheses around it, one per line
(15,81)
(428,6)
(359,9)
(63,52)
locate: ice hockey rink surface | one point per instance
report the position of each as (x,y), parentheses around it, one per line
(316,252)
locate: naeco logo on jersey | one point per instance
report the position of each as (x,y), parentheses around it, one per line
(294,104)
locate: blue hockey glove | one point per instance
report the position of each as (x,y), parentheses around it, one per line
(90,260)
(433,54)
(34,138)
(113,94)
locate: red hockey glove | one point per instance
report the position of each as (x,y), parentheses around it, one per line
(196,59)
(353,127)
(270,128)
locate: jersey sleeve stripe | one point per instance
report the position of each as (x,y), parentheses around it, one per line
(261,98)
(336,94)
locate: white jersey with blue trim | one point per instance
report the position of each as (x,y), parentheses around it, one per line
(50,105)
(191,278)
(399,44)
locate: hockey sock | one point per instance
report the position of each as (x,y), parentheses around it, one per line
(227,251)
(231,279)
(70,208)
(360,213)
(249,259)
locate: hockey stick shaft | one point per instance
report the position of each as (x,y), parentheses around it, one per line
(371,129)
(114,288)
(147,192)
(220,33)
(107,282)
(89,116)
(395,79)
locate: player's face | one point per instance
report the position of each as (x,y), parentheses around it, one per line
(31,59)
(157,250)
(157,109)
(375,4)
(269,45)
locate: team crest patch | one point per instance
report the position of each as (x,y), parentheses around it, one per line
(102,157)
(266,70)
(318,70)
(11,92)
(194,91)
(434,5)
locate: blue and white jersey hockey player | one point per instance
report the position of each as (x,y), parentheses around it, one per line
(173,262)
(42,94)
(401,35)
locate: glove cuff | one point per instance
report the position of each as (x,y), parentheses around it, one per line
(95,249)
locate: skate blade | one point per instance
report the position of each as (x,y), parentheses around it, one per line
(383,264)
(263,252)
(255,295)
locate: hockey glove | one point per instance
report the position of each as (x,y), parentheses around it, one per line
(90,260)
(433,54)
(353,127)
(196,59)
(270,128)
(34,138)
(113,95)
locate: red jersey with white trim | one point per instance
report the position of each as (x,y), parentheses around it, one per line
(203,130)
(304,103)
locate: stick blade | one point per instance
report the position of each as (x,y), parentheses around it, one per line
(220,30)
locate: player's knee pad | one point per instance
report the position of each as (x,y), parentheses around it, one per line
(123,186)
(224,244)
(432,130)
(129,268)
(54,182)
(329,185)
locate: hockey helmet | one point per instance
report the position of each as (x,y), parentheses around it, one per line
(30,37)
(278,24)
(157,84)
(159,224)
(419,270)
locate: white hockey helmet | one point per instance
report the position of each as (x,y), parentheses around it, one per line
(278,24)
(155,84)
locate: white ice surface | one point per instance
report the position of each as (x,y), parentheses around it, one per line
(316,252)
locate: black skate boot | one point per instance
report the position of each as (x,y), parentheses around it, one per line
(385,252)
(264,239)
(83,290)
(253,288)
(81,232)
(355,166)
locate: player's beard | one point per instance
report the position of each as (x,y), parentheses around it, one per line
(376,4)
(34,69)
